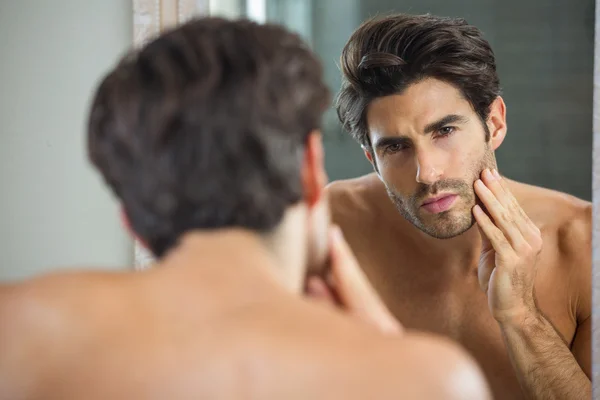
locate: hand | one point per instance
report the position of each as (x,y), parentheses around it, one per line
(510,251)
(348,288)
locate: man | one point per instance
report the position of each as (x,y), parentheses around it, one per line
(209,137)
(502,267)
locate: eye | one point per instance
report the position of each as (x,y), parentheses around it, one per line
(446,131)
(394,148)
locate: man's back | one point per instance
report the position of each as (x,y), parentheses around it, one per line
(216,331)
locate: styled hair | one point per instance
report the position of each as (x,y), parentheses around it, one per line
(385,55)
(205,128)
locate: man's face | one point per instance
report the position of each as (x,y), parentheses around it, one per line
(429,147)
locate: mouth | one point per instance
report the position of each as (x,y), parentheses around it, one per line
(440,203)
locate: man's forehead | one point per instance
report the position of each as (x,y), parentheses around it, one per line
(430,97)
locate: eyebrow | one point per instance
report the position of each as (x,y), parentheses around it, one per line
(448,119)
(432,127)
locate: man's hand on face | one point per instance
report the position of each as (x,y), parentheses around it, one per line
(511,247)
(347,287)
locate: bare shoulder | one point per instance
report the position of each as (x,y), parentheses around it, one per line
(57,290)
(413,365)
(557,214)
(352,199)
(351,192)
(38,324)
(429,367)
(48,300)
(560,214)
(574,239)
(566,225)
(333,356)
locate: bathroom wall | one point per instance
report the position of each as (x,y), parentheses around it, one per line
(54,209)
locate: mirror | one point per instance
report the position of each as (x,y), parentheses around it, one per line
(544,61)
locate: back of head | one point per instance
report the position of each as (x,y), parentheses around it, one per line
(204,128)
(386,55)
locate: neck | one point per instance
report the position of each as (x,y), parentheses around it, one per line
(244,251)
(289,246)
(461,253)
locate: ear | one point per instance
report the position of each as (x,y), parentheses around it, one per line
(127,225)
(314,177)
(369,156)
(496,123)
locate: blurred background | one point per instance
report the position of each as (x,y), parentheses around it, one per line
(545,56)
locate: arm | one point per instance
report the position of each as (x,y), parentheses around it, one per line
(578,238)
(546,367)
(544,364)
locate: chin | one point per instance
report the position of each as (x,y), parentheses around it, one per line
(447,232)
(446,225)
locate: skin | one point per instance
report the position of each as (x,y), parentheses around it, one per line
(505,271)
(208,322)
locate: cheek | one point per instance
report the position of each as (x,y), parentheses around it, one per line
(463,161)
(401,181)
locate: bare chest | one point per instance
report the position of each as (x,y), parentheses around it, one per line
(421,293)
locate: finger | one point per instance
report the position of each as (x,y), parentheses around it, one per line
(318,290)
(354,289)
(493,234)
(529,230)
(506,197)
(513,199)
(502,218)
(492,182)
(485,269)
(485,242)
(345,271)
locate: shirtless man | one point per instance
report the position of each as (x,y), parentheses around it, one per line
(209,137)
(421,95)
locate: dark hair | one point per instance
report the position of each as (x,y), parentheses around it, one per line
(385,55)
(205,128)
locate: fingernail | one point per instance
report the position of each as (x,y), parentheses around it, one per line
(489,175)
(495,173)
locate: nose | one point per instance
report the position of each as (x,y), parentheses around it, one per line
(428,170)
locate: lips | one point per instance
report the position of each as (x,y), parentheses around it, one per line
(439,204)
(434,199)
